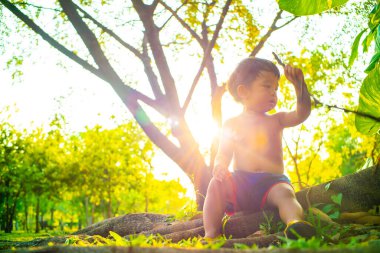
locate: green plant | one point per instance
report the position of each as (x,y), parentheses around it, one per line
(269,226)
(225,219)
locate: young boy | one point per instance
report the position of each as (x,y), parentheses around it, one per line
(253,140)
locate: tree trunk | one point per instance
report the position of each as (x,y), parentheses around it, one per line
(37,215)
(86,207)
(8,227)
(92,213)
(10,209)
(26,213)
(109,204)
(52,217)
(360,191)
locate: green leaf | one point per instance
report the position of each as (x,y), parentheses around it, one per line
(120,241)
(337,199)
(374,17)
(355,46)
(369,103)
(377,41)
(307,7)
(328,208)
(367,41)
(335,215)
(373,63)
(327,186)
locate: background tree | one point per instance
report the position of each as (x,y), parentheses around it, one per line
(12,174)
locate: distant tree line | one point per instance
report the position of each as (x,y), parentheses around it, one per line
(49,179)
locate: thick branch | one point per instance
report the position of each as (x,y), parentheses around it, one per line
(87,36)
(91,42)
(152,131)
(145,13)
(150,72)
(144,57)
(207,54)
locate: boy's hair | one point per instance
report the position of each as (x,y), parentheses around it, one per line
(247,71)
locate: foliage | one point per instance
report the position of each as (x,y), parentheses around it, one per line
(80,178)
(269,227)
(303,7)
(369,100)
(145,241)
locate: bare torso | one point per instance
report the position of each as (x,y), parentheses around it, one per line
(257,143)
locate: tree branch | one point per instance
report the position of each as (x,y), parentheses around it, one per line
(152,32)
(152,131)
(317,102)
(312,160)
(110,32)
(37,6)
(294,159)
(288,22)
(207,54)
(271,29)
(149,70)
(142,56)
(362,114)
(174,13)
(125,90)
(181,21)
(93,46)
(38,30)
(87,36)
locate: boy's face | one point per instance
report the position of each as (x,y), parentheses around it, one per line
(261,95)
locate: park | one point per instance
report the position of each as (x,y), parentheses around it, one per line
(111,116)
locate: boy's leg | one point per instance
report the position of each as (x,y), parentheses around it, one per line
(283,197)
(215,206)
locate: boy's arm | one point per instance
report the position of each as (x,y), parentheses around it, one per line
(302,112)
(224,154)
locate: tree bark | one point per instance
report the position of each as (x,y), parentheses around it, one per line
(37,215)
(360,191)
(26,213)
(86,211)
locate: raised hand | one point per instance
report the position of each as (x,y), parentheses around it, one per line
(295,76)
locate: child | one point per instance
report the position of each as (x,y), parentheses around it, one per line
(254,140)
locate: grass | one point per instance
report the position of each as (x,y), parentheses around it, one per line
(328,237)
(8,240)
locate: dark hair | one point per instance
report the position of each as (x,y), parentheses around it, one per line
(247,71)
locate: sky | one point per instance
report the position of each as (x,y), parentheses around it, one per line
(46,88)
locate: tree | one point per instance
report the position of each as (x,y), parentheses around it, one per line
(203,22)
(12,174)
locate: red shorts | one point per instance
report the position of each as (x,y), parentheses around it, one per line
(250,190)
